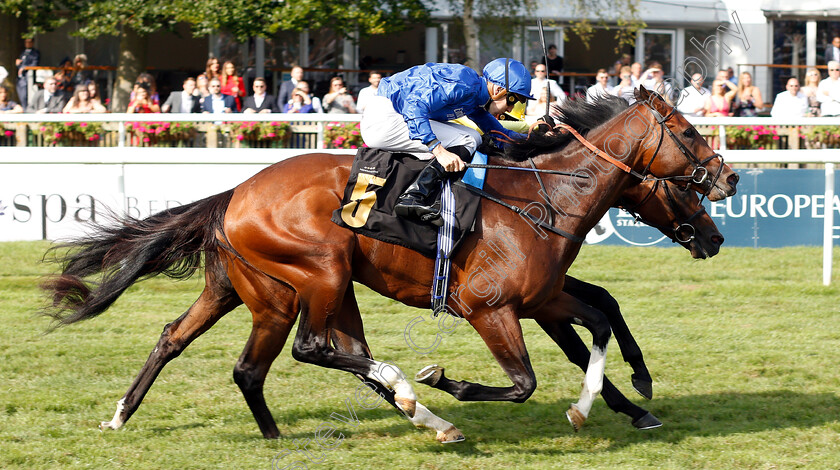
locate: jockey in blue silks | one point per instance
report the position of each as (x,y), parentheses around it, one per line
(411,111)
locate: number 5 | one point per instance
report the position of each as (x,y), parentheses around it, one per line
(355,213)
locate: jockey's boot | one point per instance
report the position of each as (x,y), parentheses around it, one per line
(418,201)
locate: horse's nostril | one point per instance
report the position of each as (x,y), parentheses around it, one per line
(733,179)
(717,239)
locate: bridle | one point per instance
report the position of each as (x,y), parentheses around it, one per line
(684,231)
(700,175)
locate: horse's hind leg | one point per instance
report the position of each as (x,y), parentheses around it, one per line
(347,334)
(274,309)
(567,338)
(601,299)
(217,299)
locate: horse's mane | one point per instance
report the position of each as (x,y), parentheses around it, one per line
(583,114)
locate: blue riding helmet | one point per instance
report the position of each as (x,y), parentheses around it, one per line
(512,75)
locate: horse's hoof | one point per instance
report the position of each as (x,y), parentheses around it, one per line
(576,418)
(643,386)
(647,421)
(407,405)
(429,375)
(106,425)
(450,436)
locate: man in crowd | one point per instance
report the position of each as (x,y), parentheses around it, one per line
(832,52)
(791,102)
(216,102)
(260,102)
(828,92)
(186,101)
(538,83)
(692,101)
(553,62)
(48,100)
(30,57)
(366,93)
(285,92)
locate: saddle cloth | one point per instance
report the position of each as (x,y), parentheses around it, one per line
(377,179)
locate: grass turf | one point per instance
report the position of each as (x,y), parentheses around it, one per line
(743,349)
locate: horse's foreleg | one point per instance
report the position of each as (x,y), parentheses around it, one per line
(566,308)
(501,331)
(600,298)
(213,303)
(567,338)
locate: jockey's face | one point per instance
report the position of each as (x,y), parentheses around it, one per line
(499,106)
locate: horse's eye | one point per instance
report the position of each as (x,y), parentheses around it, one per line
(689,133)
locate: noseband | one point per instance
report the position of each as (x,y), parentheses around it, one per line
(684,232)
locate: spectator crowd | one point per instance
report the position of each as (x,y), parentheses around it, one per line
(222,89)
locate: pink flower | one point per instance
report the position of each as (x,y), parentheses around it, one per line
(240,137)
(353,146)
(775,137)
(761,148)
(9,133)
(43,129)
(274,123)
(82,124)
(146,139)
(95,137)
(354,133)
(271,134)
(57,135)
(755,137)
(69,123)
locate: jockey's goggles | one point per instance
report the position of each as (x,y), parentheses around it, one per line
(513,98)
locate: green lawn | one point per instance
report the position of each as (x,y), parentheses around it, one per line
(743,348)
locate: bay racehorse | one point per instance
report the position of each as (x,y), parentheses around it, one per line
(269,243)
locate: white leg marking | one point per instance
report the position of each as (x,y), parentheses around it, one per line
(594,381)
(394,379)
(117,421)
(446,432)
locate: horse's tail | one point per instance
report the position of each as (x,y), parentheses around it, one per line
(170,242)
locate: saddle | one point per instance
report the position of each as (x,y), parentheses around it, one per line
(377,179)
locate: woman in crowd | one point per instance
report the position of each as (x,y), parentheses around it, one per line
(812,82)
(718,104)
(79,75)
(747,100)
(81,102)
(303,86)
(201,83)
(338,101)
(213,69)
(95,96)
(7,106)
(232,84)
(300,102)
(142,103)
(538,107)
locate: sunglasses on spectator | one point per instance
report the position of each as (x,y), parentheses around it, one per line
(540,71)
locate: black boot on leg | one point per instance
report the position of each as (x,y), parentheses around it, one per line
(417,202)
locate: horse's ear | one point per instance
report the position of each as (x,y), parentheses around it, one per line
(644,94)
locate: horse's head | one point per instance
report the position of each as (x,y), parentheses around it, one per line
(677,213)
(673,142)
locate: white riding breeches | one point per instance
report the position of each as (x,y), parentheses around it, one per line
(383,127)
